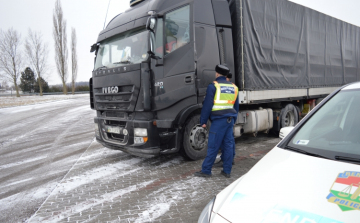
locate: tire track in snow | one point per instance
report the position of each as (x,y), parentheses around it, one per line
(36,122)
(168,196)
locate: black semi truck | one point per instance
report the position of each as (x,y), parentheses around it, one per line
(154,62)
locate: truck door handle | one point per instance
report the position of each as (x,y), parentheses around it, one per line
(188,79)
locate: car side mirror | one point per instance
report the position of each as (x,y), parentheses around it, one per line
(285,131)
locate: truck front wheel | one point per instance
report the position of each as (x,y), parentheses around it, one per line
(195,139)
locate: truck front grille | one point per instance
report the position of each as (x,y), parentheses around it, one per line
(116,123)
(120,101)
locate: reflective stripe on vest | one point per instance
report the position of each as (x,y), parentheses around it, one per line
(225,96)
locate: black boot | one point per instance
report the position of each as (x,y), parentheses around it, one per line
(201,174)
(227,175)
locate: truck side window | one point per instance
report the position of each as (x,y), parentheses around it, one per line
(177,29)
(159,38)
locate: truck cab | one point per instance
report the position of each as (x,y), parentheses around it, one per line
(150,78)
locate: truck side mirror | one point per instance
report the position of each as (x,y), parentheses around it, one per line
(94,47)
(151,50)
(151,24)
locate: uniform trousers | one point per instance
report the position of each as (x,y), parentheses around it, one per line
(221,134)
(222,150)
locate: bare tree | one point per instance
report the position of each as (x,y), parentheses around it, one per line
(10,56)
(37,54)
(4,85)
(60,38)
(74,64)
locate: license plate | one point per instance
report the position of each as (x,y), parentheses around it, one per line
(111,129)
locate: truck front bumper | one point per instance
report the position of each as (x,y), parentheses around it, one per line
(124,139)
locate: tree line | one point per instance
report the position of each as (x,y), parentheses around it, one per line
(34,53)
(29,83)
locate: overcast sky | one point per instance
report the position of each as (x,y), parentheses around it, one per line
(88,16)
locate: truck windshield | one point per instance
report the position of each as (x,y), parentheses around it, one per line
(334,129)
(127,48)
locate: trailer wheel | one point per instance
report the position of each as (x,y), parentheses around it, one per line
(289,116)
(195,139)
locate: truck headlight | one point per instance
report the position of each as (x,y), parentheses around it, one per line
(140,132)
(205,215)
(140,135)
(97,132)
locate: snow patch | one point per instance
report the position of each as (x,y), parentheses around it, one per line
(82,108)
(98,153)
(163,202)
(44,191)
(18,182)
(153,213)
(22,162)
(170,163)
(80,207)
(6,102)
(94,174)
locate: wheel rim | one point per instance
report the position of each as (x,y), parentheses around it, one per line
(289,119)
(198,137)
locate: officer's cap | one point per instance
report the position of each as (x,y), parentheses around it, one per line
(221,69)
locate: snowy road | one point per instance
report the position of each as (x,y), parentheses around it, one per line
(38,146)
(49,164)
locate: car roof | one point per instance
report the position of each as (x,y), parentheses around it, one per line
(352,86)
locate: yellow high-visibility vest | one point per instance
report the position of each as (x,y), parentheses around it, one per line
(225,96)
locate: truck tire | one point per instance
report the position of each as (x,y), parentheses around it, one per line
(289,116)
(195,139)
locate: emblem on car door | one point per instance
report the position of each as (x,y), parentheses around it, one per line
(345,191)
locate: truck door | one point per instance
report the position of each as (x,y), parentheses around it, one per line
(175,79)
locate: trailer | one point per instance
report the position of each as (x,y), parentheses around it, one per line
(154,62)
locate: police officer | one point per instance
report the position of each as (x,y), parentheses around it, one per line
(221,106)
(220,163)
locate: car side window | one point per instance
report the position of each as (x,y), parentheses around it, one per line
(177,29)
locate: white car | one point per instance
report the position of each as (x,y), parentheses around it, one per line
(311,176)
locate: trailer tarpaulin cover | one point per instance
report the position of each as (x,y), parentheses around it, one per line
(290,46)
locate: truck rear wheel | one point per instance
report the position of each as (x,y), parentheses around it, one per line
(195,139)
(289,116)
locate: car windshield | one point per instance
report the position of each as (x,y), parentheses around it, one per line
(334,128)
(127,48)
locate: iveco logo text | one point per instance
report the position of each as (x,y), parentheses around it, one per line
(110,90)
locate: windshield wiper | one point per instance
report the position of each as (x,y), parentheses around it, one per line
(101,68)
(123,62)
(305,152)
(350,159)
